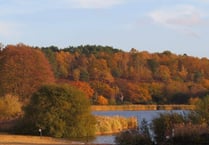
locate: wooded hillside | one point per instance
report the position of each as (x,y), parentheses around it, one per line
(112,76)
(137,77)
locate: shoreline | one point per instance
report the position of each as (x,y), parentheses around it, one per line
(141,107)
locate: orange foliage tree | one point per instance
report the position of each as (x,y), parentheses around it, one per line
(23,70)
(134,92)
(101,100)
(84,87)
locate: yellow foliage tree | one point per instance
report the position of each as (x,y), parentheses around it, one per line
(10,106)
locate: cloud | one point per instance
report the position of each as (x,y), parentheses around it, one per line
(181,18)
(92,4)
(178,16)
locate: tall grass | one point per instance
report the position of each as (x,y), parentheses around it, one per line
(114,124)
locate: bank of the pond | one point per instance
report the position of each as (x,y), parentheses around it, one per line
(141,107)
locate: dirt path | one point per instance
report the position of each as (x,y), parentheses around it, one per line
(32,140)
(35,140)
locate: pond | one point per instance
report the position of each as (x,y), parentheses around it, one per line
(147,115)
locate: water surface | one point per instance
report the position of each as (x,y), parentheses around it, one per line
(147,115)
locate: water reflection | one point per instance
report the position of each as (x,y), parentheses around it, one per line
(104,139)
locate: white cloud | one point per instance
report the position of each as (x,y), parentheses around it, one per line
(178,16)
(95,3)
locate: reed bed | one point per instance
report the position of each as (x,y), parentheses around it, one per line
(114,124)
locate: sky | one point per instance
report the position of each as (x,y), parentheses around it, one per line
(180,26)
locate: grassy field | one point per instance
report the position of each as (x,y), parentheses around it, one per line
(140,107)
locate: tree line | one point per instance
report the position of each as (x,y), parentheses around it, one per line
(106,74)
(134,77)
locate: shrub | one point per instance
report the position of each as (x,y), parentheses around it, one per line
(132,138)
(191,134)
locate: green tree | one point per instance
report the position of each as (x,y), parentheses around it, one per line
(60,111)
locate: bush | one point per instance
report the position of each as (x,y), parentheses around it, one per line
(191,134)
(132,138)
(60,111)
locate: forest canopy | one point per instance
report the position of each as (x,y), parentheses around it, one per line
(134,77)
(137,77)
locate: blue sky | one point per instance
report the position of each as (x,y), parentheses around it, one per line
(181,26)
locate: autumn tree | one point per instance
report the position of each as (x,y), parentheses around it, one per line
(64,60)
(50,55)
(134,92)
(119,64)
(103,89)
(10,107)
(137,94)
(84,87)
(153,65)
(163,73)
(99,70)
(101,100)
(23,70)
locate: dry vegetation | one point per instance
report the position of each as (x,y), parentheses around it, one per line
(35,140)
(141,107)
(114,124)
(28,140)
